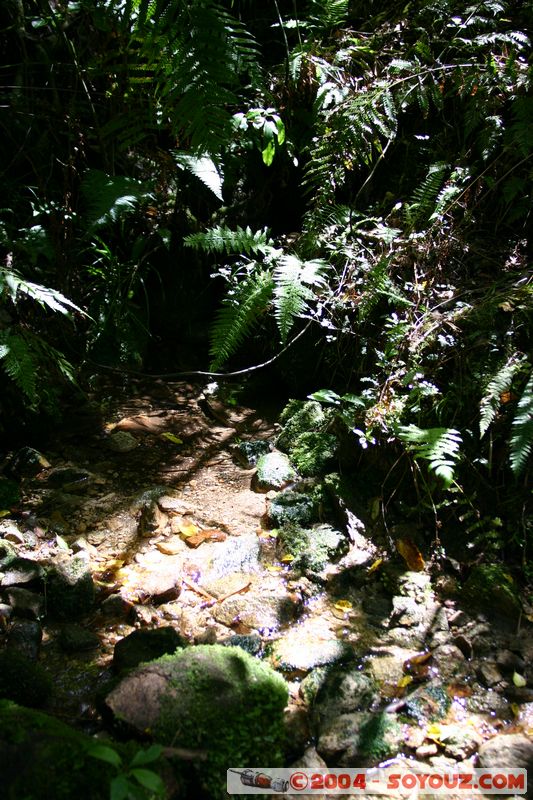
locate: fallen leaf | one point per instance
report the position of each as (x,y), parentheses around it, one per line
(343,605)
(519,680)
(411,554)
(171,438)
(61,543)
(214,534)
(274,568)
(375,566)
(405,681)
(5,513)
(287,558)
(188,528)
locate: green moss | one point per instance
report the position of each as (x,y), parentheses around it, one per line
(292,508)
(490,587)
(311,548)
(379,737)
(312,452)
(22,680)
(299,417)
(231,705)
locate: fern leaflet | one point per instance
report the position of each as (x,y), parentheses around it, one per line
(237,316)
(19,363)
(497,385)
(293,279)
(221,239)
(438,446)
(522,438)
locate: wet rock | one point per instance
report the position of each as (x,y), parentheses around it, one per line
(117,535)
(310,760)
(74,639)
(25,636)
(145,615)
(69,479)
(235,554)
(448,661)
(297,651)
(344,690)
(312,683)
(507,751)
(152,519)
(116,606)
(249,453)
(216,699)
(359,739)
(388,670)
(291,507)
(377,606)
(25,603)
(7,553)
(510,662)
(464,644)
(145,645)
(26,463)
(489,702)
(460,741)
(70,587)
(22,680)
(310,548)
(261,613)
(274,471)
(21,571)
(429,703)
(10,532)
(122,442)
(489,673)
(251,643)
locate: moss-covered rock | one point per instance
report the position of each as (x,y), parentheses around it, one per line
(274,471)
(299,417)
(489,586)
(141,646)
(70,588)
(313,452)
(22,680)
(214,698)
(292,508)
(311,548)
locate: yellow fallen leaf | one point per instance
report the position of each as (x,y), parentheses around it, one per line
(5,513)
(375,566)
(515,708)
(287,558)
(171,438)
(343,605)
(188,528)
(274,568)
(519,680)
(411,554)
(405,681)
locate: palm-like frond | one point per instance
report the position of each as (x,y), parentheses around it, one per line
(522,437)
(293,279)
(222,239)
(440,447)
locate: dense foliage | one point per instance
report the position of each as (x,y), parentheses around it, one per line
(358,170)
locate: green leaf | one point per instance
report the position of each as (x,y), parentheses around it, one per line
(325,396)
(146,756)
(104,753)
(203,168)
(268,153)
(149,779)
(119,788)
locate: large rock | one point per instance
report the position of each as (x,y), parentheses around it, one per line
(345,689)
(141,646)
(507,751)
(213,698)
(70,590)
(274,471)
(311,548)
(359,739)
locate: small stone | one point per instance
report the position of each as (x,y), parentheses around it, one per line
(507,751)
(426,750)
(274,471)
(11,532)
(116,606)
(21,571)
(73,639)
(122,442)
(142,616)
(489,673)
(448,661)
(171,546)
(70,587)
(25,636)
(464,644)
(25,603)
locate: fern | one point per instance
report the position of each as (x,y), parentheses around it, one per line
(20,364)
(496,386)
(292,279)
(239,313)
(203,168)
(440,447)
(14,284)
(327,14)
(222,239)
(424,202)
(109,198)
(522,437)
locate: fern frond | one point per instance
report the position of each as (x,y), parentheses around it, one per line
(293,279)
(108,198)
(424,200)
(203,168)
(325,15)
(43,295)
(499,383)
(19,363)
(440,447)
(521,442)
(222,239)
(237,316)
